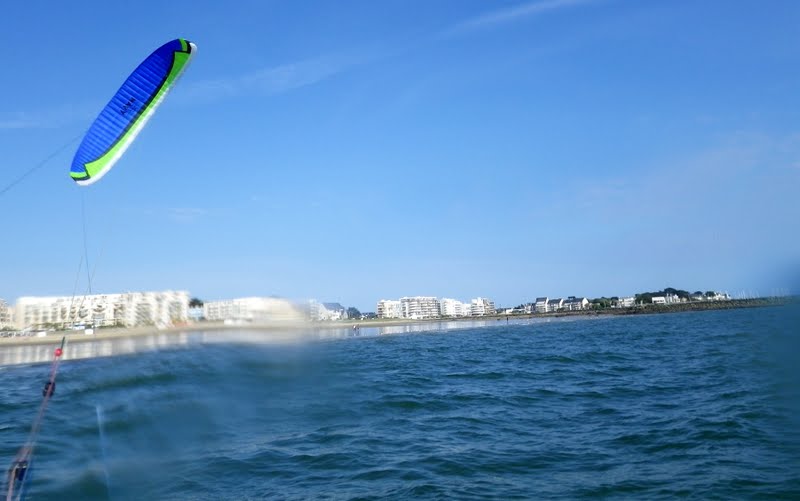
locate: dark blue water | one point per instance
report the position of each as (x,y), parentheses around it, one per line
(699,405)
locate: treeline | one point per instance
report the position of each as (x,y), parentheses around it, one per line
(647,297)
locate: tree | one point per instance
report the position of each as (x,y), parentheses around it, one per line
(353,313)
(676,292)
(195,303)
(601,302)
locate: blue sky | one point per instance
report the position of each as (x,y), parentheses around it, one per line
(359,150)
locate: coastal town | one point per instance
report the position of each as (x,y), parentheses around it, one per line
(34,315)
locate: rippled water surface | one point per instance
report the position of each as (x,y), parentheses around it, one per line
(698,404)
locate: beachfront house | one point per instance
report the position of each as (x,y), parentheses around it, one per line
(625,302)
(541,305)
(331,311)
(576,303)
(555,305)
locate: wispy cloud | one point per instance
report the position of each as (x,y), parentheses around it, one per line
(182,215)
(48,119)
(18,120)
(186,215)
(730,186)
(271,80)
(511,14)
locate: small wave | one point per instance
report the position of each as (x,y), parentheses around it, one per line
(128,382)
(491,375)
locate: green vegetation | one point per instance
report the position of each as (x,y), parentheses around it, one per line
(603,302)
(647,297)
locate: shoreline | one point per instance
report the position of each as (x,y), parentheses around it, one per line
(102,334)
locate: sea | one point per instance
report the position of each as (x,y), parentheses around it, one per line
(698,405)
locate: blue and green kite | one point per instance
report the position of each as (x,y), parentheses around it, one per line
(129,110)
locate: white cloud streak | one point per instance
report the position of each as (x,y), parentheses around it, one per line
(18,120)
(47,119)
(511,14)
(270,80)
(186,215)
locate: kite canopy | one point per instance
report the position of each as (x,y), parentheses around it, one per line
(129,110)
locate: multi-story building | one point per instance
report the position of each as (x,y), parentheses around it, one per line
(389,308)
(6,317)
(482,307)
(555,304)
(541,305)
(252,309)
(125,310)
(576,303)
(419,307)
(454,308)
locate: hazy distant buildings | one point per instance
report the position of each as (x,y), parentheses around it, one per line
(251,310)
(327,311)
(100,310)
(421,307)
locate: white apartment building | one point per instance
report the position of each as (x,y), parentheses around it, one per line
(125,310)
(6,315)
(419,307)
(252,309)
(389,308)
(482,307)
(454,308)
